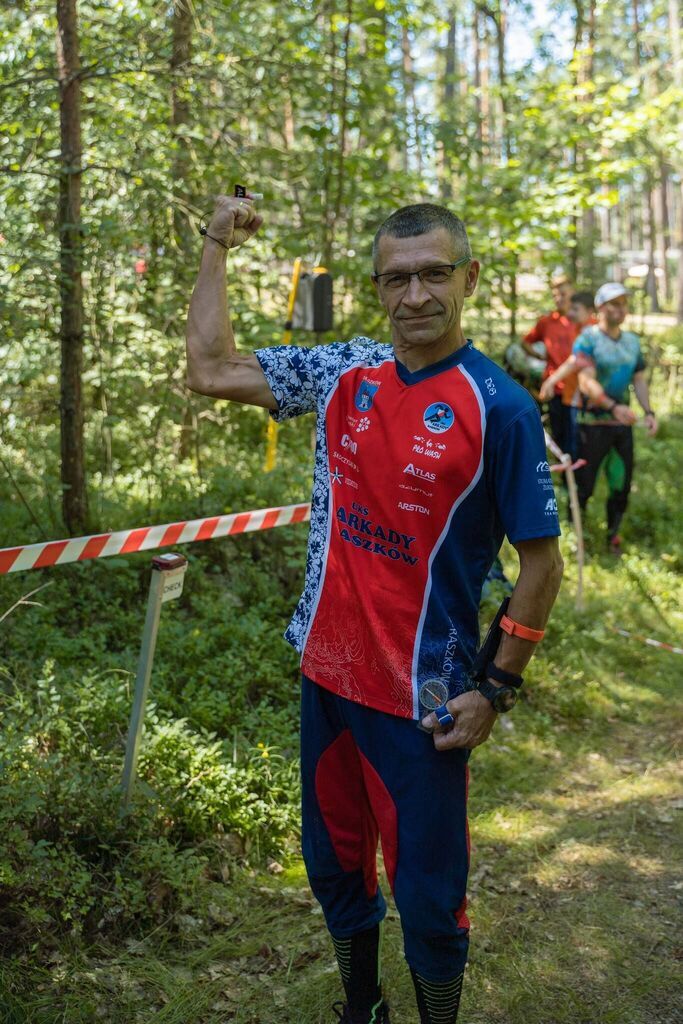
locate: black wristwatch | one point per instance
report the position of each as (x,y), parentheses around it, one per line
(503,698)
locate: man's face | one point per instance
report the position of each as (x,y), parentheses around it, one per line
(423,313)
(614,312)
(579,314)
(562,294)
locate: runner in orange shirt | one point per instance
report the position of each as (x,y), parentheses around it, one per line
(582,314)
(558,333)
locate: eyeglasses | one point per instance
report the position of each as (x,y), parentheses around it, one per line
(399,282)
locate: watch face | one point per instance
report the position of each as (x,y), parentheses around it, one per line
(506,698)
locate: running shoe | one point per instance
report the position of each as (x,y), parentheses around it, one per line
(614,546)
(381,1016)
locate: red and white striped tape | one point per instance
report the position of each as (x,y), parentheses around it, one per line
(148,538)
(647,640)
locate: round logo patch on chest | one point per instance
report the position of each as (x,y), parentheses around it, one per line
(438,417)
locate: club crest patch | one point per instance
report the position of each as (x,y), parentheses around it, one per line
(438,417)
(365,395)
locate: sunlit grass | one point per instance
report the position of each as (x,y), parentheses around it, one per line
(575,812)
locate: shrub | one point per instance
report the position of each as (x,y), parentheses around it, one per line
(68,860)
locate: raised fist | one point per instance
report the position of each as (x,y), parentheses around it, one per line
(234,220)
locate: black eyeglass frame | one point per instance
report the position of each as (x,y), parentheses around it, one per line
(377,278)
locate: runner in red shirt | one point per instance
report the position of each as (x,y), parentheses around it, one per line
(582,314)
(558,333)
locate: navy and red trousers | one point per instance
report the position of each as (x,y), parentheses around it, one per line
(368,776)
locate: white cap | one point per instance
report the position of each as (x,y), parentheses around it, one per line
(609,291)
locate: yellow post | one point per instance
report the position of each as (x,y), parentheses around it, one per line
(271,439)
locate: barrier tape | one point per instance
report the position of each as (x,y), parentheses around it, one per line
(647,640)
(148,538)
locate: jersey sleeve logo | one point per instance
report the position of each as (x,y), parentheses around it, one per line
(438,417)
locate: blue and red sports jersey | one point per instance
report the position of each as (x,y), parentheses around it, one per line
(418,477)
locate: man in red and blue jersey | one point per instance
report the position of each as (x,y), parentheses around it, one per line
(427,455)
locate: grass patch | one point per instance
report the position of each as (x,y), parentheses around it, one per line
(575,816)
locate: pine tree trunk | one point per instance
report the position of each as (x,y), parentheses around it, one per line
(501,28)
(74,498)
(180,118)
(327,210)
(448,112)
(675,35)
(181,55)
(344,113)
(477,85)
(664,225)
(651,281)
(484,71)
(412,115)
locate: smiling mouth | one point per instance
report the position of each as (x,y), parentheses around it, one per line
(426,316)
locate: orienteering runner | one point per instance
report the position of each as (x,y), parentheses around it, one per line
(582,314)
(557,332)
(610,361)
(427,455)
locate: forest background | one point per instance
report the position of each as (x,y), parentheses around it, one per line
(554,131)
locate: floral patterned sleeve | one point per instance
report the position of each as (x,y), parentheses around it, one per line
(294,376)
(300,378)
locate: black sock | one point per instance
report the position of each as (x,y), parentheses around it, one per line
(358,959)
(438,1001)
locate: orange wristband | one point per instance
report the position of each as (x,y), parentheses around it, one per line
(513,628)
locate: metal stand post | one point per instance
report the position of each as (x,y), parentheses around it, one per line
(168,572)
(578,529)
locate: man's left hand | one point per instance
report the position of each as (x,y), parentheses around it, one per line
(651,423)
(474,717)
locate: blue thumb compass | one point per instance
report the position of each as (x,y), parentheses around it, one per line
(433,695)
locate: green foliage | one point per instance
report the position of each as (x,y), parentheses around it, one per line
(69,861)
(321,108)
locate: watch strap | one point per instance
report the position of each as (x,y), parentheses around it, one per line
(487,690)
(492,693)
(502,676)
(513,628)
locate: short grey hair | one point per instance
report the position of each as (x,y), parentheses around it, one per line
(419,219)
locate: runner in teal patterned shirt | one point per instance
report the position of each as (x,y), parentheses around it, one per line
(616,361)
(609,361)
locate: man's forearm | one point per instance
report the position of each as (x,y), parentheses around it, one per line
(537,587)
(593,389)
(209,335)
(640,386)
(564,370)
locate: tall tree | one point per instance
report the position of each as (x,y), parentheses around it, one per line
(181,54)
(447,113)
(675,35)
(74,501)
